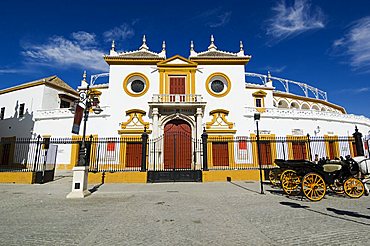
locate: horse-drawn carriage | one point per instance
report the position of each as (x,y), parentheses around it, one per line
(341,176)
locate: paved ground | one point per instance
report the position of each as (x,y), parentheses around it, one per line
(177,214)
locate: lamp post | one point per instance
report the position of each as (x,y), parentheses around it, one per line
(88,100)
(257,117)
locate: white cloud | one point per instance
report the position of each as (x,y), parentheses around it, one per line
(293,20)
(275,69)
(122,32)
(221,19)
(356,44)
(5,70)
(355,91)
(84,38)
(61,52)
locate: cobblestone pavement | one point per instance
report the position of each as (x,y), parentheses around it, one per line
(231,213)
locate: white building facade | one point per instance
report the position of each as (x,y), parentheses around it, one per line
(207,91)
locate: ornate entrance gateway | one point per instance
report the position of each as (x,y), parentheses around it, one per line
(173,156)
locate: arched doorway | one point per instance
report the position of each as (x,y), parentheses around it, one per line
(177,145)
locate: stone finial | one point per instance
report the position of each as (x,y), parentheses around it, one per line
(144,46)
(268,79)
(83,81)
(241,51)
(113,48)
(163,52)
(192,51)
(212,46)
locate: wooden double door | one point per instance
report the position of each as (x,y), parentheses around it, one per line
(177,145)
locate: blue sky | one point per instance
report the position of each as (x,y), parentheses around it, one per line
(323,43)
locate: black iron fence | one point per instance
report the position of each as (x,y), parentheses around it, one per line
(228,153)
(177,153)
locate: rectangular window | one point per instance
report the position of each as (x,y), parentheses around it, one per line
(64,104)
(21,110)
(111,146)
(258,102)
(2,113)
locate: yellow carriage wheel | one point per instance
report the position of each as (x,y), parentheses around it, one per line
(313,186)
(354,188)
(274,177)
(290,182)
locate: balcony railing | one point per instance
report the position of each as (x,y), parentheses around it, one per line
(309,114)
(177,98)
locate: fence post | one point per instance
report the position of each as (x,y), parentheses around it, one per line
(358,142)
(37,152)
(205,152)
(144,138)
(309,147)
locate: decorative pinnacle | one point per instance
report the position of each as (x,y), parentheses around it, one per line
(84,76)
(144,46)
(212,46)
(268,76)
(191,45)
(241,45)
(113,48)
(164,46)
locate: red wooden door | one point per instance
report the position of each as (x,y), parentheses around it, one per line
(133,154)
(299,150)
(332,152)
(220,154)
(265,153)
(177,145)
(177,86)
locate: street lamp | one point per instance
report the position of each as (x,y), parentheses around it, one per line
(257,117)
(88,101)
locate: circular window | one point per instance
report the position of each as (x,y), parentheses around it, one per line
(218,85)
(136,84)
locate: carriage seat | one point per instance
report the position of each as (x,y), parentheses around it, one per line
(329,168)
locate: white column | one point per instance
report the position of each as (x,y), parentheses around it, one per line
(155,114)
(199,117)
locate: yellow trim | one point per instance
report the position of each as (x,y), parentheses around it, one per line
(221,131)
(219,113)
(266,137)
(165,63)
(131,61)
(17,177)
(259,93)
(220,61)
(327,139)
(75,149)
(308,99)
(128,77)
(235,175)
(351,141)
(230,148)
(134,114)
(117,177)
(218,94)
(290,139)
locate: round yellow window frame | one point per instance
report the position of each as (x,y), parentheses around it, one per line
(208,85)
(127,79)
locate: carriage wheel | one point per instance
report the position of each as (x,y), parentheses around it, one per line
(274,176)
(313,186)
(337,187)
(354,188)
(290,182)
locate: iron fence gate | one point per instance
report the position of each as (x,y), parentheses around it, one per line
(174,156)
